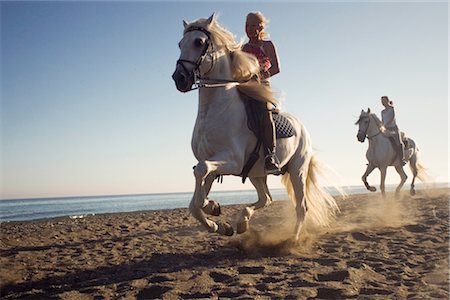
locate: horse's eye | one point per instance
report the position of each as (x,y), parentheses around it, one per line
(199,42)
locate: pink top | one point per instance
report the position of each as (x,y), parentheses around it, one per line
(260,54)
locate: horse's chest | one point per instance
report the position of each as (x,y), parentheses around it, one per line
(209,138)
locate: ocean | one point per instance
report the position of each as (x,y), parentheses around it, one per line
(78,207)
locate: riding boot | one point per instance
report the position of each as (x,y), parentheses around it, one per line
(269,142)
(403,159)
(401,152)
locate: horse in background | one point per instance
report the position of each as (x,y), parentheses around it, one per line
(213,63)
(382,153)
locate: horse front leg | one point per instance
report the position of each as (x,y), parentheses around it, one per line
(264,199)
(199,202)
(213,207)
(369,169)
(383,171)
(403,178)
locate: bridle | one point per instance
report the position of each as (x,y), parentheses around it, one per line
(197,78)
(365,131)
(202,56)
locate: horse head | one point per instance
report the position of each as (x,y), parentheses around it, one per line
(194,46)
(363,124)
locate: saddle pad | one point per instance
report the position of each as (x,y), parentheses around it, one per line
(284,128)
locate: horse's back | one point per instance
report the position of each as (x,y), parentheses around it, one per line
(300,142)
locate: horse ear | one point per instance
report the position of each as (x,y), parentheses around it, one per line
(212,18)
(368,110)
(185,24)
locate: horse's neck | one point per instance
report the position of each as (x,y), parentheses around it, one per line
(374,130)
(217,102)
(221,116)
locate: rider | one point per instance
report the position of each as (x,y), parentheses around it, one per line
(265,52)
(390,124)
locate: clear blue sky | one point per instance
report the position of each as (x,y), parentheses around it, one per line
(88,106)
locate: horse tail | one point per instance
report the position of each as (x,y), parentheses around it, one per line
(422,173)
(417,168)
(322,207)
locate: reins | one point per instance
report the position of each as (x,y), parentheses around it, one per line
(198,80)
(371,137)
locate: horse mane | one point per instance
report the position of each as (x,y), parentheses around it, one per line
(244,66)
(378,121)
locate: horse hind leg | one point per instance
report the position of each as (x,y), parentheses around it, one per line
(264,199)
(295,182)
(403,178)
(414,171)
(301,207)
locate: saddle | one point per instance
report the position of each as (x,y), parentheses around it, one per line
(283,129)
(408,148)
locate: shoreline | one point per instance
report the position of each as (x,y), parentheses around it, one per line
(389,188)
(419,188)
(393,248)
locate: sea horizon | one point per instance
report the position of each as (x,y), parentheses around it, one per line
(28,209)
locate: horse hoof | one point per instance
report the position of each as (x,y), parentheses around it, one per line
(242,227)
(215,208)
(225,229)
(372,189)
(412,192)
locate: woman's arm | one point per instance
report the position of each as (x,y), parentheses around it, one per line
(271,52)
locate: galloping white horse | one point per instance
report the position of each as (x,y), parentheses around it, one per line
(381,153)
(222,143)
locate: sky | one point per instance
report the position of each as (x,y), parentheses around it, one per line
(88,105)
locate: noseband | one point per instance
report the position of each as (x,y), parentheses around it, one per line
(202,55)
(215,82)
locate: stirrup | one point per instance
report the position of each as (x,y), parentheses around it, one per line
(271,165)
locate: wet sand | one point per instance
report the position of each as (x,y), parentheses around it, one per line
(376,249)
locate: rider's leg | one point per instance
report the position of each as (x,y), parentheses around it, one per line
(401,147)
(269,140)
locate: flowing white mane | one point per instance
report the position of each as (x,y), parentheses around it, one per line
(244,66)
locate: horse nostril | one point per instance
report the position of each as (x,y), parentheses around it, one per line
(179,77)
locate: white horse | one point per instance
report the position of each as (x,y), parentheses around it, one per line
(211,60)
(382,153)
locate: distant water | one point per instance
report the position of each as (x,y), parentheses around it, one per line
(43,208)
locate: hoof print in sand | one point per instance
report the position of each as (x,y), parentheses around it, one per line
(334,276)
(251,270)
(359,236)
(153,292)
(416,228)
(372,291)
(220,277)
(329,293)
(159,278)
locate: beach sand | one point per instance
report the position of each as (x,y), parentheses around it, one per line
(376,249)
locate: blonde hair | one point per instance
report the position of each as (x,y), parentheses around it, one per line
(260,17)
(244,66)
